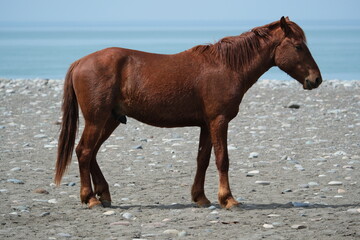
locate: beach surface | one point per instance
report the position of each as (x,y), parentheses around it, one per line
(294,166)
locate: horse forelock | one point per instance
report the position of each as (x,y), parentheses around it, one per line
(238,51)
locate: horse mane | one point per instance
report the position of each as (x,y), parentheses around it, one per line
(238,51)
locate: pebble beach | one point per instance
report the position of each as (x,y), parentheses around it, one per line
(294,166)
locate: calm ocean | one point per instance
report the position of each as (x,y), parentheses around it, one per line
(41,50)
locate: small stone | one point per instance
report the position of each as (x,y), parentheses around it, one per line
(341,190)
(273,215)
(349,167)
(300,204)
(182,234)
(54,201)
(263,182)
(15,169)
(312,184)
(305,185)
(66,235)
(254,155)
(3,190)
(10,91)
(240,199)
(44,214)
(335,183)
(231,147)
(16,181)
(252,173)
(71,184)
(354,210)
(127,215)
(49,146)
(286,191)
(339,153)
(212,207)
(41,191)
(38,136)
(268,226)
(293,105)
(298,226)
(21,208)
(299,167)
(109,213)
(171,232)
(122,223)
(137,147)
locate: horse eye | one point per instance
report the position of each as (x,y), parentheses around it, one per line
(298,47)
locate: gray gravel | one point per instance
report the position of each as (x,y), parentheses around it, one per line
(294,165)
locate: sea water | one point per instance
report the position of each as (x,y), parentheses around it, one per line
(45,50)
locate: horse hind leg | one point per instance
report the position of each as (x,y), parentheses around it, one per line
(101,187)
(85,151)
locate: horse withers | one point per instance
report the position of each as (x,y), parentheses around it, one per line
(202,86)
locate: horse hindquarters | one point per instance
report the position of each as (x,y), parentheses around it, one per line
(96,97)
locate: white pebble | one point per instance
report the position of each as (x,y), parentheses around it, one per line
(52,201)
(298,226)
(254,155)
(171,232)
(182,234)
(354,210)
(263,182)
(40,136)
(254,172)
(15,169)
(268,226)
(109,213)
(335,183)
(127,215)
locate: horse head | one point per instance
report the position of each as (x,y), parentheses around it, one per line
(293,56)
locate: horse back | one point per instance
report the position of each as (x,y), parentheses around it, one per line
(157,89)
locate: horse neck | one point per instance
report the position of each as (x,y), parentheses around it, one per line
(261,61)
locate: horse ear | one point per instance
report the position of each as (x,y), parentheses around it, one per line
(284,26)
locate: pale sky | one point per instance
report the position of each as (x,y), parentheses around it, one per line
(167,10)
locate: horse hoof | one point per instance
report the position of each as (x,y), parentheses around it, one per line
(106,203)
(204,203)
(235,207)
(94,204)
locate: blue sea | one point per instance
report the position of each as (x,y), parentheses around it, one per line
(45,50)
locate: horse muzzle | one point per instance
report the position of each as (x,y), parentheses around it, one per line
(311,84)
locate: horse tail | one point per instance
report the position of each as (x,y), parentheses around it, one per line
(69,125)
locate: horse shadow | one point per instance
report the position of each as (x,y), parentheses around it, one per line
(241,207)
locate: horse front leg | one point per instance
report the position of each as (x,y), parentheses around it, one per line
(218,130)
(203,158)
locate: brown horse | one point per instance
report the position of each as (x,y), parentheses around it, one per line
(202,86)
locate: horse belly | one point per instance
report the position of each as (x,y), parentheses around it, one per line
(163,113)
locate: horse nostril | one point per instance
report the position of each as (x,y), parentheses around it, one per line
(318,81)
